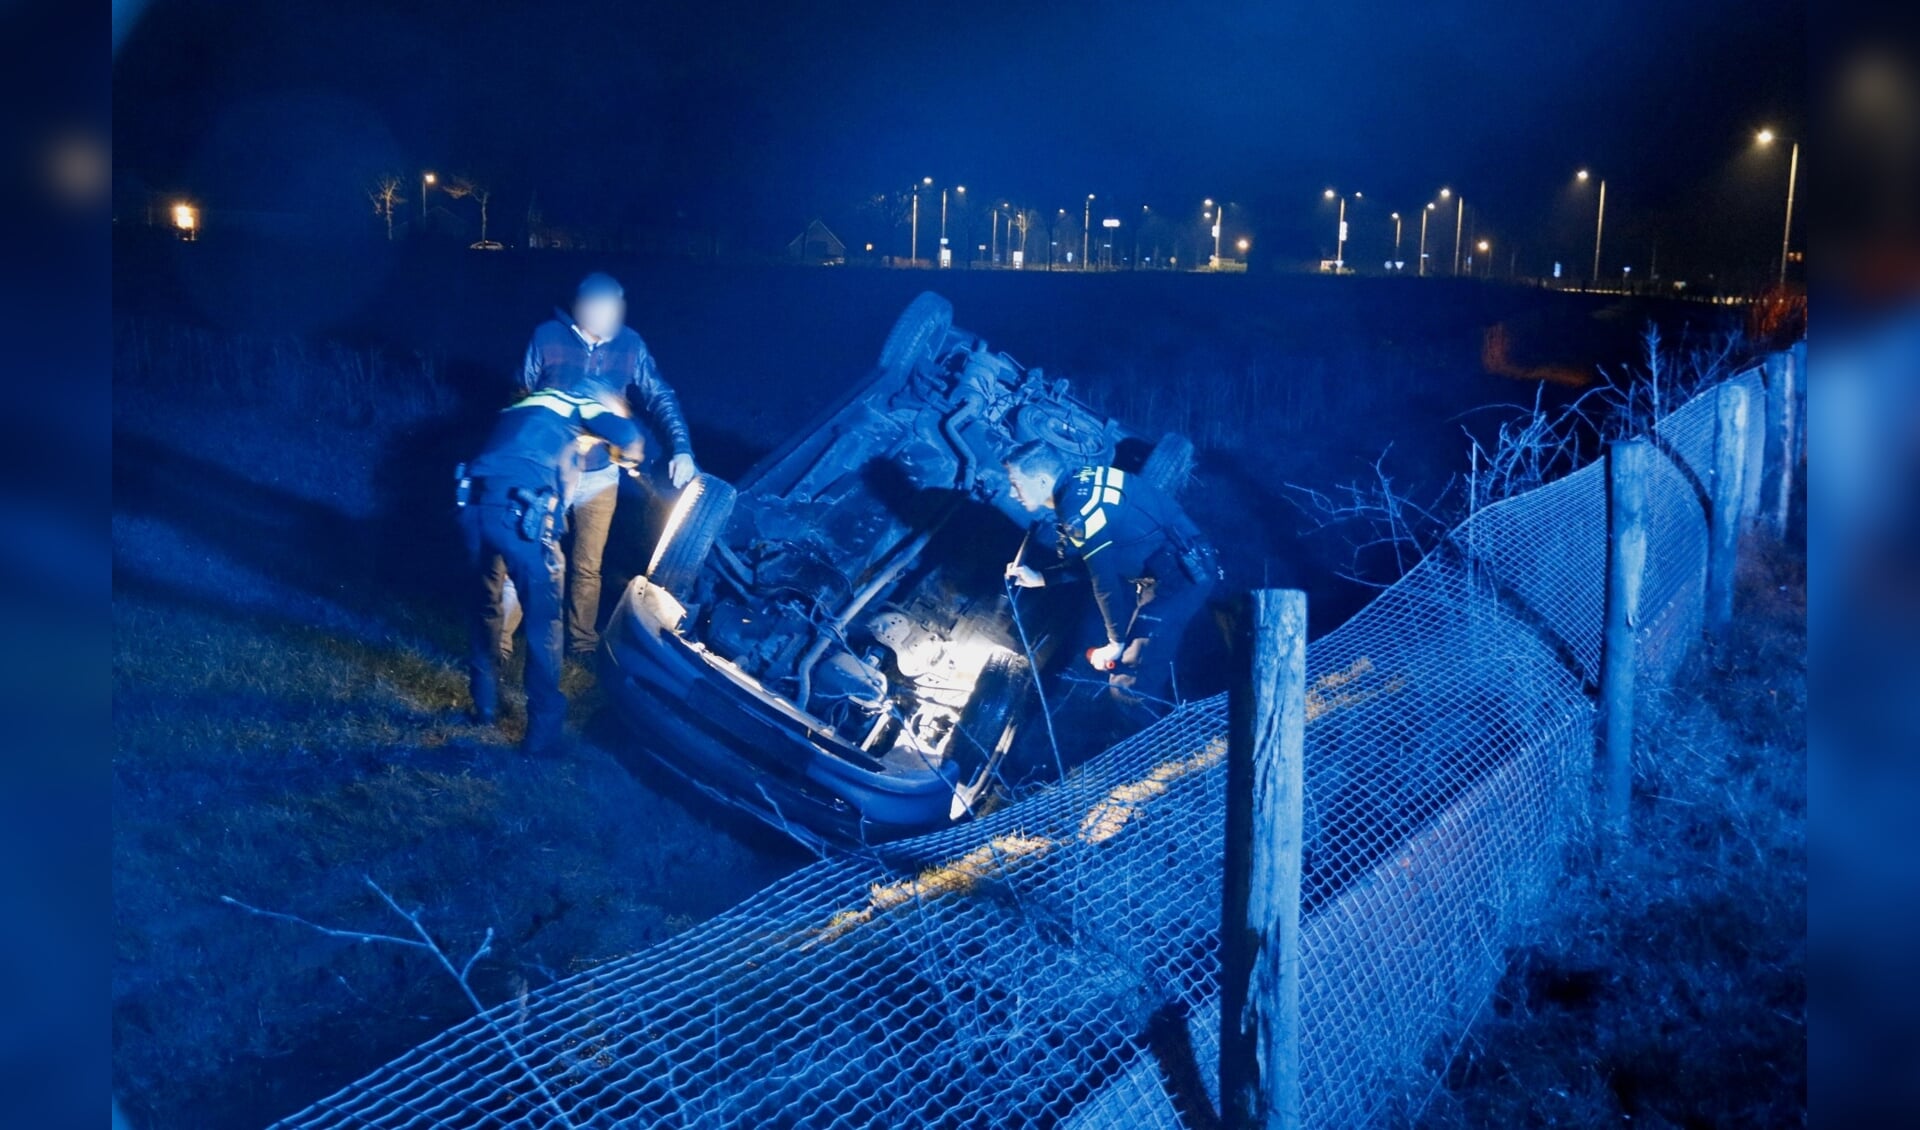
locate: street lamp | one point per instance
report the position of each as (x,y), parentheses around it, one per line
(186,220)
(946,249)
(1340,234)
(427,180)
(1086,234)
(1396,237)
(1459,216)
(913,256)
(1483,247)
(1599,222)
(1424,213)
(1766,137)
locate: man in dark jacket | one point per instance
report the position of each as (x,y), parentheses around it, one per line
(591,352)
(511,497)
(1148,564)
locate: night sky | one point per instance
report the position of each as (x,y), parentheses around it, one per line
(752,117)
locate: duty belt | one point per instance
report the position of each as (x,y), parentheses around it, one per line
(534,506)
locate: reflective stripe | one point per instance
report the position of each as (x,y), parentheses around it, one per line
(562,403)
(1088,556)
(559,403)
(1107,487)
(1095,522)
(1093,496)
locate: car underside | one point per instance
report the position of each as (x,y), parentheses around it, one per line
(829,643)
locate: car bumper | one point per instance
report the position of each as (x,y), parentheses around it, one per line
(713,726)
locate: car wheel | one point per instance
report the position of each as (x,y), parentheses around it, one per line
(1169,465)
(1076,434)
(918,332)
(693,524)
(980,736)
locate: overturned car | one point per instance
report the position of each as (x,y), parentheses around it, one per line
(829,644)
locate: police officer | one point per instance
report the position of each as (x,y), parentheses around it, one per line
(511,498)
(590,351)
(1150,568)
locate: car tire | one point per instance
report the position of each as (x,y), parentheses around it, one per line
(1169,465)
(998,697)
(918,332)
(685,542)
(1076,434)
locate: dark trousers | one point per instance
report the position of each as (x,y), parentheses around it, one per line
(592,518)
(492,535)
(1160,621)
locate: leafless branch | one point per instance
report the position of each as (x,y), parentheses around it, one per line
(425,941)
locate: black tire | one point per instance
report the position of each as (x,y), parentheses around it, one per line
(684,545)
(999,696)
(1169,465)
(918,332)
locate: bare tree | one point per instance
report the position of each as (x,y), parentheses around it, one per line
(385,194)
(887,211)
(1024,220)
(480,192)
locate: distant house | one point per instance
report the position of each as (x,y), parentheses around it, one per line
(817,245)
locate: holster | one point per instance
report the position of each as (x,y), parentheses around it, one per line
(534,508)
(1199,562)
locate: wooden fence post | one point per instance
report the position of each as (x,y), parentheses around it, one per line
(1629,462)
(1260,903)
(1776,481)
(1729,490)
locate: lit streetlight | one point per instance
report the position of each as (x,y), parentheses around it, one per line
(946,249)
(1599,223)
(1340,234)
(427,180)
(1219,217)
(1767,137)
(1086,234)
(186,220)
(1424,213)
(1459,217)
(913,256)
(1396,237)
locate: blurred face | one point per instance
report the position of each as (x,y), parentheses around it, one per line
(600,317)
(1033,491)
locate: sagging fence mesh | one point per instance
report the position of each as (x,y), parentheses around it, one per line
(1055,963)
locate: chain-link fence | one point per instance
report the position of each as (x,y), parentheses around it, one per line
(1055,964)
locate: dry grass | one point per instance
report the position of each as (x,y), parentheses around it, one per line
(288,719)
(323,377)
(1669,988)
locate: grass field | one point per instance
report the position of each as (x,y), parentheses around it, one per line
(1668,986)
(287,696)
